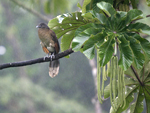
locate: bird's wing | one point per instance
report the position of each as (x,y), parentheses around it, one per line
(44,48)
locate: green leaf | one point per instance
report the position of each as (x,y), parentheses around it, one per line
(78,5)
(130,73)
(90,16)
(85,3)
(144,44)
(106,50)
(66,23)
(126,57)
(107,91)
(137,106)
(134,14)
(139,27)
(102,18)
(89,47)
(84,27)
(137,52)
(54,23)
(148,2)
(107,8)
(47,7)
(147,99)
(134,3)
(81,37)
(66,40)
(130,81)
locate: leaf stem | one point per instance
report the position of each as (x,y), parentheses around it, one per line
(136,75)
(115,49)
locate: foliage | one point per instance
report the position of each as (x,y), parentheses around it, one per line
(99,26)
(51,6)
(22,94)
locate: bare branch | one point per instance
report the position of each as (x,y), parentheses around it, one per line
(38,60)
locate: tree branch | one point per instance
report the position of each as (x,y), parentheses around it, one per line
(34,12)
(38,60)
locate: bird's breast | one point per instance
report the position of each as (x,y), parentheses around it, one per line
(46,38)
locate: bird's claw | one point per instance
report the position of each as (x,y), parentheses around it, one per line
(52,56)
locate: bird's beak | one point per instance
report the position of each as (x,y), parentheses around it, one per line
(37,26)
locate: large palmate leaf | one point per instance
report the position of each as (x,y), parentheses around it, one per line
(66,22)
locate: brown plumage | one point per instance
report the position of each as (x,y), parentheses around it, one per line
(50,45)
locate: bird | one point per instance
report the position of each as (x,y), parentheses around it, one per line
(50,46)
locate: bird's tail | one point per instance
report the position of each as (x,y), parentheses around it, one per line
(53,68)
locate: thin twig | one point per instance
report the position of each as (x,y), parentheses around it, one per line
(38,60)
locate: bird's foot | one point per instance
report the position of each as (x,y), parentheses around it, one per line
(47,56)
(52,56)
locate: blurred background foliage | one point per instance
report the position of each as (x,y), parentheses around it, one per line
(30,89)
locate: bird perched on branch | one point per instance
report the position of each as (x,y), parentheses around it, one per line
(50,45)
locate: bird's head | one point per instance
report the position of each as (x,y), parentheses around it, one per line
(42,25)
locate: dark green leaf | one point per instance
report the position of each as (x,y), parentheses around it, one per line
(102,18)
(107,8)
(137,52)
(106,50)
(126,57)
(139,27)
(134,14)
(89,16)
(134,3)
(144,44)
(137,106)
(147,99)
(84,27)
